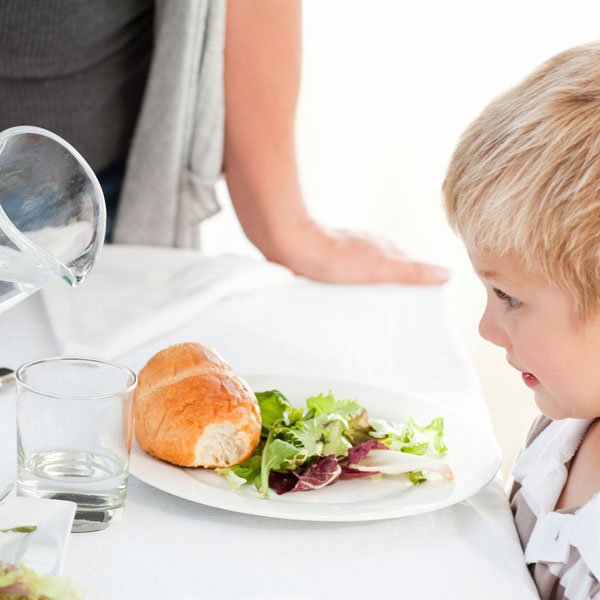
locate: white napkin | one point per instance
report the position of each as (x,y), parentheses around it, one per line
(135,294)
(42,550)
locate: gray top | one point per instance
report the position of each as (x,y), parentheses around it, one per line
(177,151)
(77,68)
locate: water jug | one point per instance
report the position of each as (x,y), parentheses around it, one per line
(52,213)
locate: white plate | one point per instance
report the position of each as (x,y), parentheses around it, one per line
(473,455)
(42,550)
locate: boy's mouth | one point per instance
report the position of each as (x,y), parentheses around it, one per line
(530,380)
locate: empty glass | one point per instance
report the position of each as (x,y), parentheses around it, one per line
(52,213)
(74,425)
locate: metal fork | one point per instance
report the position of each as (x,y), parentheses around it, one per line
(6,491)
(7,378)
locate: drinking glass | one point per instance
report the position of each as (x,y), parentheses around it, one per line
(74,426)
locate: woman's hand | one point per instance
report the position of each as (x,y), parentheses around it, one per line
(346,257)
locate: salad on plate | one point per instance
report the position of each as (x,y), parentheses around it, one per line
(309,447)
(18,582)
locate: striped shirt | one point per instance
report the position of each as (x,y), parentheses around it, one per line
(562,547)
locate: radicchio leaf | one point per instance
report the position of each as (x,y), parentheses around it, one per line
(355,455)
(323,472)
(282,482)
(351,473)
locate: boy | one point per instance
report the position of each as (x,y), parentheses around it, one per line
(523,192)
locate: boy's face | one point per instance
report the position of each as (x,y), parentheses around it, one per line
(536,323)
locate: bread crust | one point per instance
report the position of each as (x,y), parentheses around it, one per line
(181,391)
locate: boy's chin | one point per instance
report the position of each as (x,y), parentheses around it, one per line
(548,405)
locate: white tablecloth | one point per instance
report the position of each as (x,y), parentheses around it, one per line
(165,547)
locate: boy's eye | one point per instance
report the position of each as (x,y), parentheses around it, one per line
(509,300)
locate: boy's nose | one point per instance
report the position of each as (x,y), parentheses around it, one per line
(492,331)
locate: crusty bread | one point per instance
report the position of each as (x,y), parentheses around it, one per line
(191,410)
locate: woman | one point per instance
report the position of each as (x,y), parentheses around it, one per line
(144,90)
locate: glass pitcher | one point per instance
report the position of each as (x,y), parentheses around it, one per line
(52,213)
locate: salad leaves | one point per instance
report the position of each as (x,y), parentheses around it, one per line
(327,404)
(18,581)
(307,448)
(273,405)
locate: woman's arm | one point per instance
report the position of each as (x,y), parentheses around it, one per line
(262,82)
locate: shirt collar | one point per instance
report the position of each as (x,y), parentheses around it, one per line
(541,467)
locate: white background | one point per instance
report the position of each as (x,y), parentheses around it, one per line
(387,88)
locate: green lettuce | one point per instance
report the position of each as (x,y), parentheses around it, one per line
(246,472)
(358,428)
(18,582)
(432,433)
(277,455)
(328,405)
(294,438)
(306,436)
(293,415)
(411,437)
(335,430)
(273,406)
(417,477)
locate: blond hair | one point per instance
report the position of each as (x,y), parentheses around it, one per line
(525,176)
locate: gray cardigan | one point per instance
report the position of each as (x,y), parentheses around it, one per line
(177,149)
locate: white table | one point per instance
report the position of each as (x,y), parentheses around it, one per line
(391,336)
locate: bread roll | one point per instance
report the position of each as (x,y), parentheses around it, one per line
(191,410)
